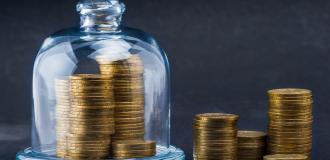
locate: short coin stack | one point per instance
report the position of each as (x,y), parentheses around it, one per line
(290,121)
(251,145)
(215,136)
(128,89)
(286,157)
(91,117)
(62,92)
(133,149)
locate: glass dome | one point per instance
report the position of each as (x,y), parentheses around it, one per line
(101,91)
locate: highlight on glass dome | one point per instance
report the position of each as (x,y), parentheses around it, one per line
(101,91)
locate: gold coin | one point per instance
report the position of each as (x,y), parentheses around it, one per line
(216,117)
(251,134)
(88,77)
(95,106)
(289,92)
(133,148)
(134,144)
(83,111)
(285,157)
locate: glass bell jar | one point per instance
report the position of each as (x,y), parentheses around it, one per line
(101,91)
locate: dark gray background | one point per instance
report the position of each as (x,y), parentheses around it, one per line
(225,55)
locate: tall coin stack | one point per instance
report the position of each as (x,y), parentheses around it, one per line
(290,121)
(62,93)
(286,157)
(133,149)
(128,89)
(91,117)
(215,136)
(251,145)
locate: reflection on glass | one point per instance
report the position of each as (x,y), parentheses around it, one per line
(102,86)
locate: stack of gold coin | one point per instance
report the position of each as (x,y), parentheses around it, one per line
(91,117)
(251,145)
(286,157)
(62,93)
(128,92)
(290,121)
(133,149)
(215,136)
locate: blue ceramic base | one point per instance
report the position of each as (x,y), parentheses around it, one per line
(171,153)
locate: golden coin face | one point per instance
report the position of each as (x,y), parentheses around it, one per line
(86,154)
(92,106)
(128,82)
(285,157)
(274,134)
(214,128)
(72,123)
(134,142)
(216,116)
(91,116)
(129,131)
(291,124)
(91,83)
(134,58)
(120,70)
(104,99)
(91,90)
(288,151)
(90,94)
(279,115)
(279,104)
(251,148)
(88,77)
(251,134)
(133,152)
(121,66)
(288,138)
(99,138)
(215,142)
(91,112)
(93,126)
(214,135)
(281,130)
(88,145)
(289,91)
